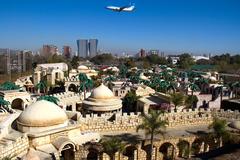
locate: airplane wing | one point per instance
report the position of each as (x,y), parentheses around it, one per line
(129,9)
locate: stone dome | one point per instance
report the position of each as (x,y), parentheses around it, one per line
(102,99)
(102,92)
(42,114)
(82,67)
(73,71)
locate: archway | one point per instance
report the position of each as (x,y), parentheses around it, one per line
(167,149)
(92,154)
(17,104)
(147,149)
(130,152)
(184,148)
(67,152)
(197,146)
(73,88)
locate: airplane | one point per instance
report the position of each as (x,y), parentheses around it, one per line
(128,8)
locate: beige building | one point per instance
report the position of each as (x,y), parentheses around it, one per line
(102,100)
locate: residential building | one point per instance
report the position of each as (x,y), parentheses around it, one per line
(49,50)
(67,51)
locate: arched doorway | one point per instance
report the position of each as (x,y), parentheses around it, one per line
(92,154)
(167,149)
(197,146)
(130,152)
(147,149)
(94,150)
(184,148)
(17,104)
(67,152)
(73,88)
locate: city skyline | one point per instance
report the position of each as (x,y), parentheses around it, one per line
(169,26)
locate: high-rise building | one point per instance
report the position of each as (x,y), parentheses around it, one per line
(67,51)
(15,61)
(5,67)
(142,53)
(82,45)
(49,50)
(153,51)
(93,43)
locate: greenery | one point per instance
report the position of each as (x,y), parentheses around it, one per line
(85,83)
(103,59)
(186,61)
(49,98)
(153,125)
(8,86)
(177,99)
(219,127)
(42,86)
(130,101)
(112,145)
(190,101)
(4,104)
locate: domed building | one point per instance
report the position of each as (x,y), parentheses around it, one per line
(41,116)
(102,100)
(83,69)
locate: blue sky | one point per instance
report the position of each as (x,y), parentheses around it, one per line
(196,26)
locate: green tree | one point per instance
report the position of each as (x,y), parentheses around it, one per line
(194,87)
(49,99)
(56,59)
(112,145)
(8,86)
(191,101)
(130,101)
(75,62)
(123,71)
(42,86)
(186,61)
(153,125)
(177,99)
(219,127)
(4,104)
(104,58)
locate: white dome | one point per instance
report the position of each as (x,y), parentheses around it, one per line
(42,114)
(213,78)
(73,71)
(82,67)
(143,77)
(102,92)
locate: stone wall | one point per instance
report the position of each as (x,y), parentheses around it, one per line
(14,147)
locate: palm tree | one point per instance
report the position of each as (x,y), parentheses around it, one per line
(153,125)
(236,86)
(123,71)
(130,102)
(50,99)
(83,83)
(42,86)
(82,77)
(111,146)
(219,129)
(8,86)
(4,104)
(177,99)
(193,87)
(109,80)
